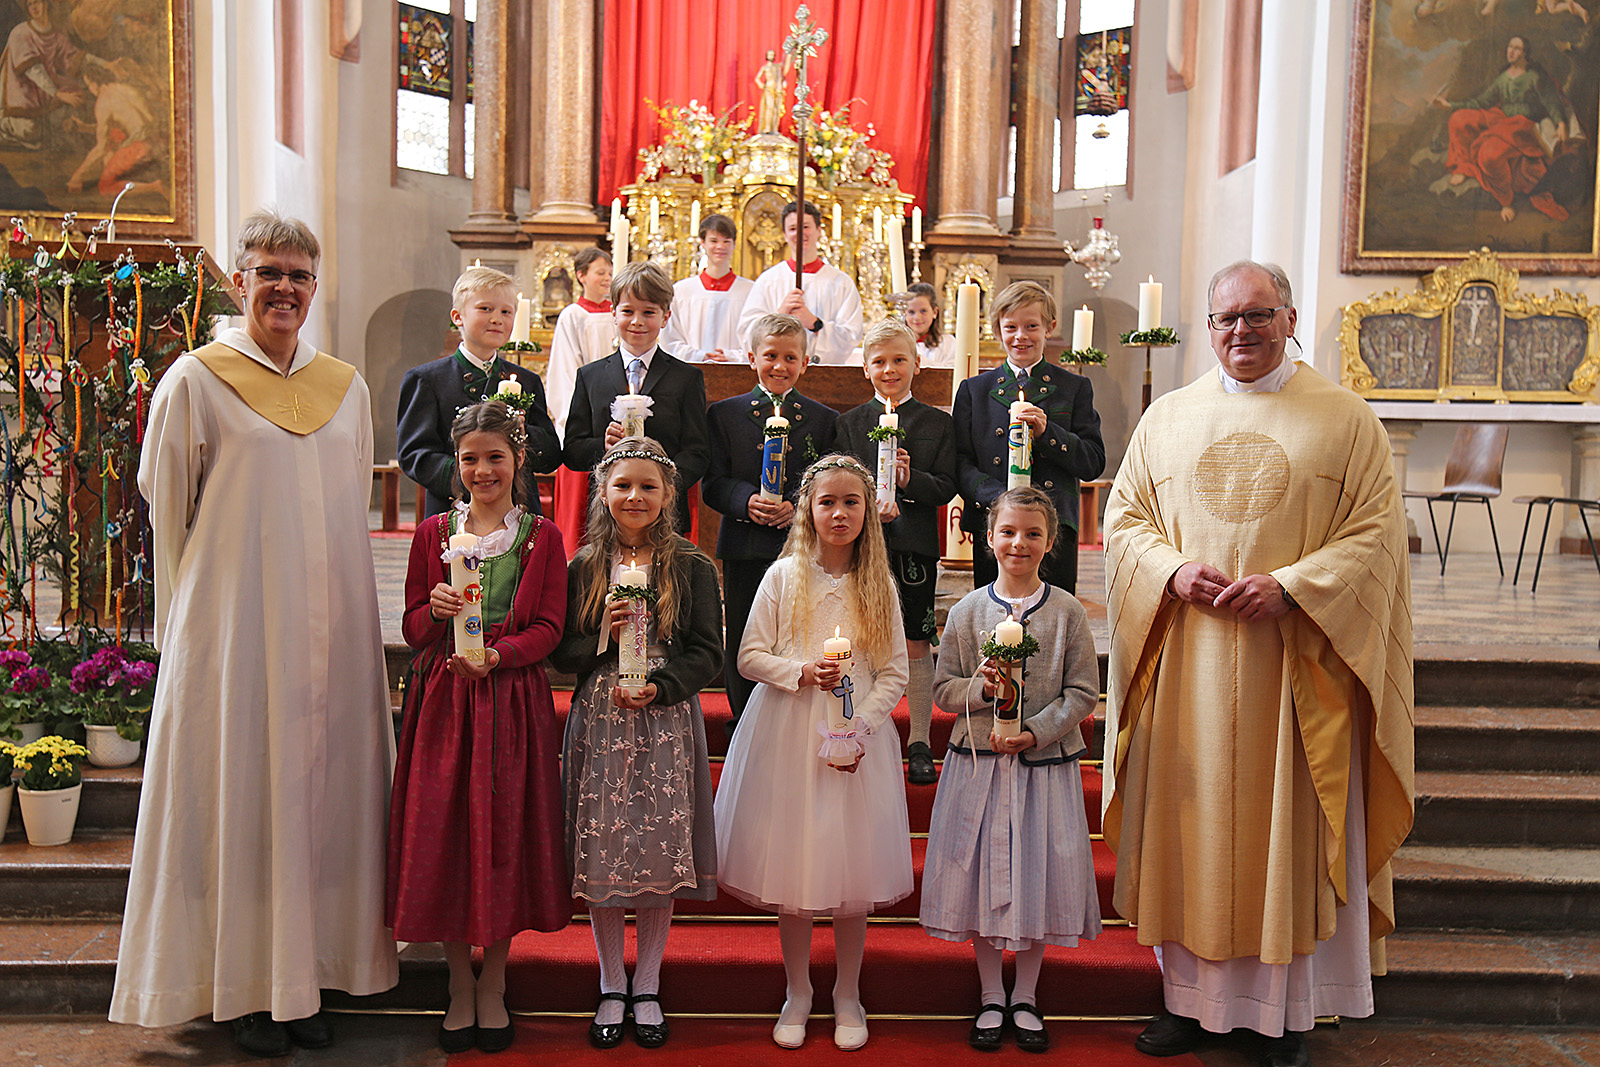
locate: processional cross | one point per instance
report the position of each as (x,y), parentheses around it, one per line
(801,44)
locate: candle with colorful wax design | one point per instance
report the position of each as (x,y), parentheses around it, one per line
(774,452)
(836,649)
(631,664)
(464,562)
(630,409)
(1008,697)
(1019,468)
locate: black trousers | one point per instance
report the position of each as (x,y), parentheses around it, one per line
(740,580)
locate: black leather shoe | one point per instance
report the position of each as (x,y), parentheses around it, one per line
(458,1040)
(1286,1051)
(919,764)
(498,1039)
(311,1032)
(260,1034)
(987,1038)
(608,1035)
(1029,1040)
(1169,1035)
(649,1035)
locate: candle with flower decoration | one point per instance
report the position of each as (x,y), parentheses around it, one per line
(631,665)
(1009,635)
(836,650)
(774,452)
(1019,468)
(464,561)
(888,451)
(509,387)
(1082,328)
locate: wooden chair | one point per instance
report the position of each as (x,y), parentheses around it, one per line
(1471,474)
(1549,502)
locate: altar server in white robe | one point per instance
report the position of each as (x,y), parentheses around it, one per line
(258,861)
(828,305)
(706,306)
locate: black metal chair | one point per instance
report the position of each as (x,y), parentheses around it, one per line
(1471,475)
(1550,502)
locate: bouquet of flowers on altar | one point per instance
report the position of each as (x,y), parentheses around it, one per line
(709,140)
(51,763)
(113,688)
(24,691)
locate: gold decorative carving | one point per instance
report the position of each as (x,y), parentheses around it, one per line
(968,268)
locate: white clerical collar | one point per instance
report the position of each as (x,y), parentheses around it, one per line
(1270,382)
(474,360)
(240,341)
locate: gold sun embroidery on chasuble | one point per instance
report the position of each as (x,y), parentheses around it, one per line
(1242,477)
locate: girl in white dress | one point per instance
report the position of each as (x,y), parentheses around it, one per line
(797,834)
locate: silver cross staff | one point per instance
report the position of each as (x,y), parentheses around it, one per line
(801,44)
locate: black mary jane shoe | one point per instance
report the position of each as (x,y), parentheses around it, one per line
(259,1034)
(987,1038)
(919,764)
(461,1040)
(648,1035)
(1286,1051)
(497,1039)
(311,1032)
(608,1035)
(1169,1035)
(1029,1040)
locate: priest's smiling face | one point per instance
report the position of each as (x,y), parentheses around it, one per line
(275,310)
(1248,352)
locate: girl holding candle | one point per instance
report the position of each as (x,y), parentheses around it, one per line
(474,851)
(1009,866)
(935,348)
(638,782)
(801,829)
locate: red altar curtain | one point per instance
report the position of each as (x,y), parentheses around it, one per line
(673,51)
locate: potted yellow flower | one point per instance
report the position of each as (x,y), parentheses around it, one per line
(51,787)
(8,754)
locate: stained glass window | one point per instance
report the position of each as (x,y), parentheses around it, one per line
(435,74)
(422,132)
(425,50)
(1102,64)
(1103,69)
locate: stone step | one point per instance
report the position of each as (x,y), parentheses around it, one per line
(1506,808)
(1498,677)
(1512,889)
(1511,979)
(1477,738)
(84,879)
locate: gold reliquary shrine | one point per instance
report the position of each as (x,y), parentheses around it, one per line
(1468,333)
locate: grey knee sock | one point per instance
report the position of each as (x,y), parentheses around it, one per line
(919,695)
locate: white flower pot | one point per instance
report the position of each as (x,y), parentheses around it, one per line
(49,814)
(107,748)
(5,807)
(31,732)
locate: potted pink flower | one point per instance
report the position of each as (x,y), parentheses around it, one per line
(114,693)
(24,687)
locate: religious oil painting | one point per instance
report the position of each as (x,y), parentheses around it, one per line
(95,104)
(1473,124)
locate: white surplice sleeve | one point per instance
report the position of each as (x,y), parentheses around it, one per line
(172,466)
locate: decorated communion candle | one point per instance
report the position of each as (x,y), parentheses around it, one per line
(888,450)
(836,649)
(1019,471)
(1008,698)
(509,387)
(774,450)
(1149,304)
(631,649)
(633,414)
(1082,328)
(464,579)
(897,254)
(966,335)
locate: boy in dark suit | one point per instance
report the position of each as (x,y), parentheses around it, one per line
(925,480)
(485,302)
(641,300)
(754,529)
(1060,411)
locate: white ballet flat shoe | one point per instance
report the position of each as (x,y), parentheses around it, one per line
(849,1038)
(789,1036)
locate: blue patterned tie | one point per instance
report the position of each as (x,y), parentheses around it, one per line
(636,375)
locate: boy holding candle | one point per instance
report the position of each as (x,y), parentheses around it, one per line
(484,308)
(828,306)
(925,479)
(641,296)
(706,307)
(1057,411)
(755,525)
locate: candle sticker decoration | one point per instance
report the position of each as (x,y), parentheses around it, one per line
(774,452)
(629,410)
(633,586)
(465,558)
(1008,649)
(841,742)
(888,435)
(1019,467)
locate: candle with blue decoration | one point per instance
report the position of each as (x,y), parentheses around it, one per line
(774,450)
(464,561)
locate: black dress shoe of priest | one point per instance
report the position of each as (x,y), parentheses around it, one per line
(919,764)
(1169,1035)
(461,1040)
(607,1035)
(311,1032)
(260,1034)
(1029,1040)
(987,1038)
(649,1035)
(497,1039)
(1286,1051)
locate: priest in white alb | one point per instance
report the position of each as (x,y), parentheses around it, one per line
(1259,744)
(828,304)
(258,860)
(706,306)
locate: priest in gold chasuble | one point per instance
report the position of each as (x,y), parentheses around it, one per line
(1259,735)
(258,861)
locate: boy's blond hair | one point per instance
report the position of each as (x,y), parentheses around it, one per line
(1019,295)
(776,324)
(475,280)
(887,331)
(644,281)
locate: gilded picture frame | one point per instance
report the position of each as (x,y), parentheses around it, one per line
(1469,333)
(97,96)
(1470,124)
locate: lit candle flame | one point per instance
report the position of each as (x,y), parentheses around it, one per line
(1022,397)
(890,402)
(836,631)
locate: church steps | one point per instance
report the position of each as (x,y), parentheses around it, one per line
(1532,739)
(1526,889)
(1506,808)
(1483,978)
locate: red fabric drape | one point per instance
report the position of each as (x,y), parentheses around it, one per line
(674,51)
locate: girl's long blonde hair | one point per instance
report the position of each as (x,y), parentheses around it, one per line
(871,595)
(594,558)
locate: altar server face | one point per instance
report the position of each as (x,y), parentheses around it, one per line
(811,235)
(596,280)
(634,494)
(838,508)
(279,308)
(1019,539)
(779,361)
(719,252)
(1248,352)
(487,464)
(1023,331)
(890,366)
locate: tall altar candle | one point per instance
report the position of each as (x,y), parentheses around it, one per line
(694,219)
(655,215)
(916,225)
(897,254)
(1149,304)
(631,665)
(1019,470)
(464,579)
(838,220)
(877,225)
(1008,699)
(966,336)
(1082,328)
(888,451)
(619,241)
(774,450)
(836,649)
(520,323)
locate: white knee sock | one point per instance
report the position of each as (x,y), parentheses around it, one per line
(607,924)
(990,979)
(652,925)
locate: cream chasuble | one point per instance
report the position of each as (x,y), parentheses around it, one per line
(1230,770)
(258,862)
